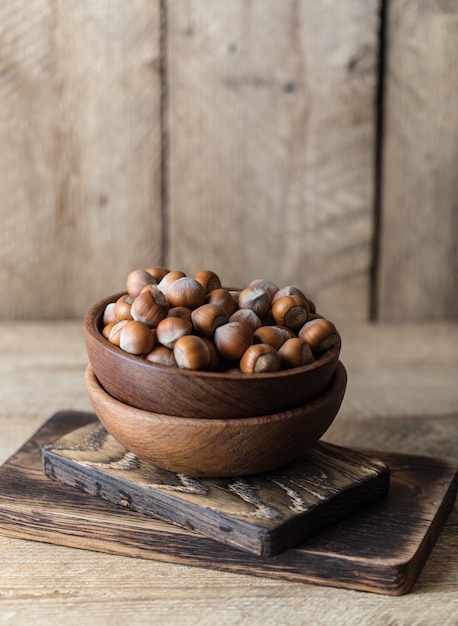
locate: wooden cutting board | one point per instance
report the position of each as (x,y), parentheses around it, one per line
(381,548)
(264,514)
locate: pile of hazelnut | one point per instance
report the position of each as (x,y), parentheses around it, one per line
(177,320)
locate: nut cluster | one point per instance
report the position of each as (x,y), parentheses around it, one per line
(195,323)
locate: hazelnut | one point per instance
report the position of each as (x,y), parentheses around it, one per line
(295,352)
(136,337)
(265,285)
(191,352)
(136,280)
(150,306)
(106,330)
(287,332)
(235,296)
(186,291)
(290,311)
(206,318)
(161,356)
(170,329)
(168,279)
(208,279)
(122,307)
(289,290)
(256,297)
(223,298)
(258,358)
(114,334)
(314,316)
(232,339)
(215,360)
(109,314)
(275,336)
(158,273)
(247,316)
(320,334)
(312,307)
(180,311)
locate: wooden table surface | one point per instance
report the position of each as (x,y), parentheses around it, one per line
(402,396)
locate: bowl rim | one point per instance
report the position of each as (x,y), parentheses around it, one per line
(338,381)
(92,327)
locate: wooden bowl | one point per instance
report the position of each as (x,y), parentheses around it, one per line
(217,447)
(174,391)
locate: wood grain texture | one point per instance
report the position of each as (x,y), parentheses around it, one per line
(381,549)
(271,142)
(402,395)
(81,159)
(263,514)
(418,266)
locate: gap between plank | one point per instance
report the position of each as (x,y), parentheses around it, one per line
(378,162)
(163,26)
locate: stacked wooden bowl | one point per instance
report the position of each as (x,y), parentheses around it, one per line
(206,423)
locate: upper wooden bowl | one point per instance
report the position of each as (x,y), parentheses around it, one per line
(174,391)
(217,447)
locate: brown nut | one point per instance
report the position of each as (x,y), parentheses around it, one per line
(106,330)
(186,291)
(206,318)
(215,360)
(223,298)
(258,358)
(275,336)
(150,306)
(170,329)
(320,334)
(266,285)
(232,339)
(180,311)
(247,316)
(114,334)
(109,314)
(191,352)
(158,273)
(257,296)
(208,279)
(136,280)
(168,279)
(314,316)
(136,338)
(290,311)
(288,290)
(287,332)
(235,295)
(122,307)
(294,353)
(161,356)
(312,307)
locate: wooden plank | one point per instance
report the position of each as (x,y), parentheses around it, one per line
(271,118)
(381,549)
(418,267)
(263,514)
(81,160)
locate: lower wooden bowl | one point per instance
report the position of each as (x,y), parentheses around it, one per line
(217,447)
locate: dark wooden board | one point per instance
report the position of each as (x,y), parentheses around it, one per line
(380,549)
(264,514)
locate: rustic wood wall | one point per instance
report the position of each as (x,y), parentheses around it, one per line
(256,138)
(418,261)
(80,162)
